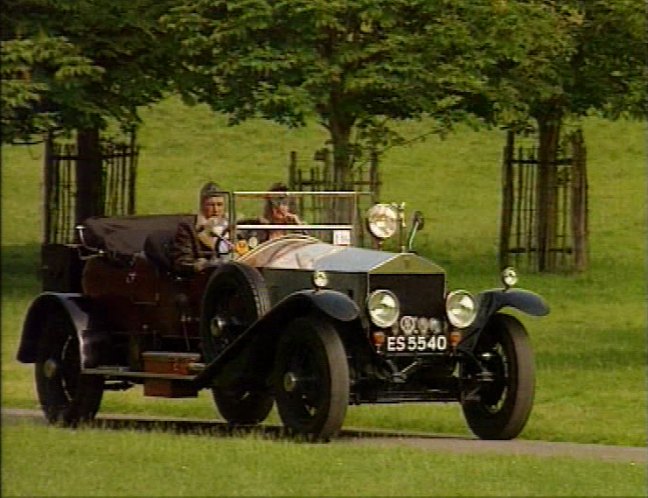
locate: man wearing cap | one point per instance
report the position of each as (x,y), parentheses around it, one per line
(195,244)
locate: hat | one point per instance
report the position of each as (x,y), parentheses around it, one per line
(210,189)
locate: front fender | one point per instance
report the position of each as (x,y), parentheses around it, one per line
(526,301)
(523,300)
(92,339)
(491,301)
(256,346)
(334,304)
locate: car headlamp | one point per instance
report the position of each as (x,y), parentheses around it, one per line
(509,277)
(382,220)
(320,279)
(461,309)
(383,307)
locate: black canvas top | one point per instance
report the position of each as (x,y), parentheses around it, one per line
(125,235)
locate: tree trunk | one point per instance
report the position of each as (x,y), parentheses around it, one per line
(546,207)
(506,220)
(340,130)
(340,137)
(89,176)
(579,207)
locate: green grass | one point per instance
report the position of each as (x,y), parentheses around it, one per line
(128,463)
(590,351)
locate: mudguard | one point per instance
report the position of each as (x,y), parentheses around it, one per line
(526,301)
(332,303)
(491,301)
(256,346)
(93,340)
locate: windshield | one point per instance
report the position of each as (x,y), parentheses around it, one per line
(328,216)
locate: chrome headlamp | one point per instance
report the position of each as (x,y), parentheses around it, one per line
(509,277)
(461,309)
(382,220)
(320,279)
(383,307)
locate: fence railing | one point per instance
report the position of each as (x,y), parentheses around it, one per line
(319,175)
(544,221)
(117,190)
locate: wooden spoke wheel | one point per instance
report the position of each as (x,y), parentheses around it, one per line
(311,378)
(235,298)
(66,396)
(498,403)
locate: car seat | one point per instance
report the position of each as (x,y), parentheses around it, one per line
(157,248)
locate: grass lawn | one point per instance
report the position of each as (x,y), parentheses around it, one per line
(590,351)
(128,463)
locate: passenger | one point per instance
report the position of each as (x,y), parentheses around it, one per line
(197,244)
(277,211)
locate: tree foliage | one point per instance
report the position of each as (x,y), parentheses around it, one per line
(599,64)
(34,71)
(74,64)
(351,63)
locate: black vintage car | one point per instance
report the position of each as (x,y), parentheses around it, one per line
(303,318)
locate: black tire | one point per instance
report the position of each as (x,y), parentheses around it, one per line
(236,297)
(243,406)
(501,408)
(66,396)
(311,378)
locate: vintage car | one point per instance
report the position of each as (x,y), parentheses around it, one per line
(305,319)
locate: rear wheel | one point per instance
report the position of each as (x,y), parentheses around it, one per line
(236,297)
(497,403)
(311,378)
(243,406)
(65,395)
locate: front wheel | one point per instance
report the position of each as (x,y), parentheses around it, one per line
(235,298)
(311,378)
(66,396)
(497,398)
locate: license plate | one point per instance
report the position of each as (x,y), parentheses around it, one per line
(412,344)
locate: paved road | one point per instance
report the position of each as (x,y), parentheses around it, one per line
(430,442)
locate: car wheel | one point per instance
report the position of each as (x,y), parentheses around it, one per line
(497,405)
(236,297)
(66,396)
(311,378)
(243,406)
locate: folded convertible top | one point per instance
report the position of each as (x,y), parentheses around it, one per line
(123,236)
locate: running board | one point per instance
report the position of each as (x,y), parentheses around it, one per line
(164,385)
(118,373)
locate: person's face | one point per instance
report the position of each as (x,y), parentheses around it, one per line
(280,207)
(213,207)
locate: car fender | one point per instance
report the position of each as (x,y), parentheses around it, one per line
(494,300)
(256,346)
(92,338)
(491,301)
(332,303)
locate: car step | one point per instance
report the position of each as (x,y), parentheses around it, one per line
(125,373)
(165,374)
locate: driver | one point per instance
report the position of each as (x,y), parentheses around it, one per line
(197,244)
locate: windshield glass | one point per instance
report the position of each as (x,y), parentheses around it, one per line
(328,216)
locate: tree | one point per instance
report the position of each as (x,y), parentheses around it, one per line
(353,64)
(76,65)
(31,69)
(599,67)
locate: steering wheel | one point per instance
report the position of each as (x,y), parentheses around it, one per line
(249,238)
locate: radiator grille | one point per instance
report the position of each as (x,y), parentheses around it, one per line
(419,295)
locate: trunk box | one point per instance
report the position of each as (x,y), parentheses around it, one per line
(169,363)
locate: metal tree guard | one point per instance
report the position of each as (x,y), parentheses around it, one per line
(535,235)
